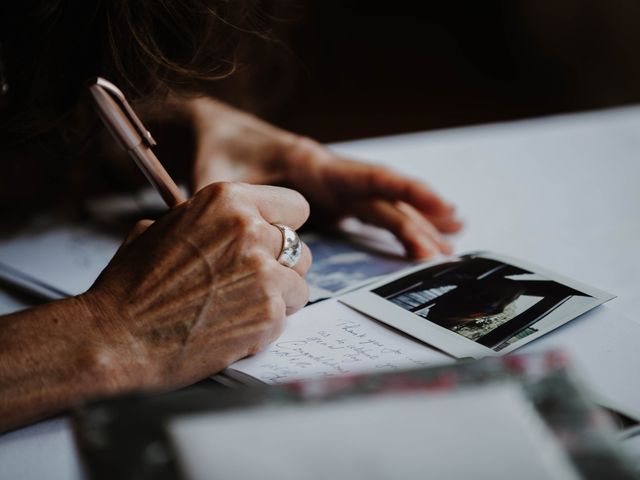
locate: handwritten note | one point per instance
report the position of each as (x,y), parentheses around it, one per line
(331,339)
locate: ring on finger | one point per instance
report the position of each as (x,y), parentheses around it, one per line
(291,250)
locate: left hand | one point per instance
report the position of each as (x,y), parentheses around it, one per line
(234,146)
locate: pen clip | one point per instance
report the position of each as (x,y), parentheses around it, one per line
(119,97)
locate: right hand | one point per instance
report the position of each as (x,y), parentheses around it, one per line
(200,288)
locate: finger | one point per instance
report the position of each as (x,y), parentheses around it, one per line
(426,226)
(365,180)
(136,231)
(413,237)
(276,245)
(303,263)
(302,266)
(280,205)
(270,239)
(446,223)
(275,204)
(294,289)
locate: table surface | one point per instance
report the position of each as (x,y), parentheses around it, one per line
(561,192)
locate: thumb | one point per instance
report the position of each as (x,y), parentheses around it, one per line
(136,231)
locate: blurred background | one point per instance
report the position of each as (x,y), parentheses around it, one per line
(350,69)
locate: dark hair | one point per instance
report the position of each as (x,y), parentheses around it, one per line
(148,47)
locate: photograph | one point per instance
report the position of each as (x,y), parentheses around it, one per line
(496,303)
(340,265)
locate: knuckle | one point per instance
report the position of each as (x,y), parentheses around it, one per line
(219,191)
(274,309)
(257,263)
(265,272)
(306,150)
(247,227)
(212,191)
(376,172)
(307,146)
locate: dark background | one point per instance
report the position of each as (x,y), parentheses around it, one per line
(368,68)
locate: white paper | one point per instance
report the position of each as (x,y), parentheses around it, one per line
(482,433)
(68,257)
(10,304)
(331,339)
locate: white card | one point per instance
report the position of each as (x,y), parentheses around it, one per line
(476,305)
(329,339)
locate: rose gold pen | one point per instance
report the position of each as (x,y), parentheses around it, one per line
(130,133)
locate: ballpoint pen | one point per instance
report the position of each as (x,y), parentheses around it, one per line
(131,134)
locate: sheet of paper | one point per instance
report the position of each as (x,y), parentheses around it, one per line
(482,433)
(9,303)
(68,257)
(328,339)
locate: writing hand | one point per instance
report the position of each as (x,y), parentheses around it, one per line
(200,288)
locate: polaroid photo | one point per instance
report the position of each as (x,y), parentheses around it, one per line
(476,305)
(341,264)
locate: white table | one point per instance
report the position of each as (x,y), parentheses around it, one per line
(561,192)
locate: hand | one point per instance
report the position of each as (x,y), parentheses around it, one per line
(200,288)
(234,146)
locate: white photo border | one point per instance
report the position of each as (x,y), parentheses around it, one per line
(377,307)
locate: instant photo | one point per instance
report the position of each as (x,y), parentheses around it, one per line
(477,304)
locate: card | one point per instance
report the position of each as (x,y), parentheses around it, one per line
(328,339)
(476,305)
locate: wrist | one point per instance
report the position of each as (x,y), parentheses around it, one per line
(54,356)
(303,158)
(110,355)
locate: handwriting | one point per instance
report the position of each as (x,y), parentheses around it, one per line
(336,347)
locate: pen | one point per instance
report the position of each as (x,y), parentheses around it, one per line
(131,134)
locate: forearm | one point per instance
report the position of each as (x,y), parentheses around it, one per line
(50,358)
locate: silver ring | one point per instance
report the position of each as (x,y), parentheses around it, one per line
(291,246)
